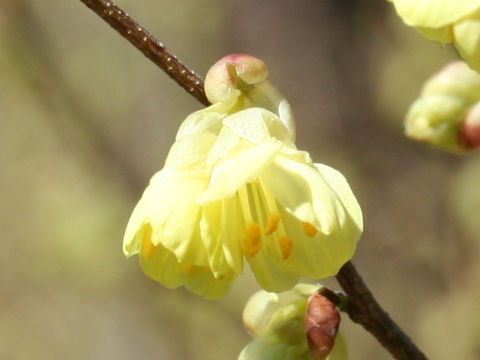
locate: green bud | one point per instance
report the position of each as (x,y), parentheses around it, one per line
(279,314)
(443,114)
(299,324)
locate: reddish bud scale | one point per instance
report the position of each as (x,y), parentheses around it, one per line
(469,136)
(321,324)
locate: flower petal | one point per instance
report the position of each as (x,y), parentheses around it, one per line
(232,225)
(269,275)
(259,126)
(205,284)
(132,239)
(164,268)
(443,35)
(213,232)
(171,210)
(190,152)
(319,256)
(340,185)
(434,13)
(237,170)
(305,192)
(467,41)
(226,141)
(206,120)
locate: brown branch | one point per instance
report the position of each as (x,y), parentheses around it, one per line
(360,304)
(364,310)
(149,46)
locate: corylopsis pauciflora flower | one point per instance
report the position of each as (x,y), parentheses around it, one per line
(234,188)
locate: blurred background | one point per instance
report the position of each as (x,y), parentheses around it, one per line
(86,119)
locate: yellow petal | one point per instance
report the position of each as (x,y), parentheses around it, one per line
(442,34)
(467,41)
(190,152)
(237,170)
(316,257)
(340,185)
(134,233)
(249,124)
(169,206)
(165,268)
(265,95)
(206,120)
(305,192)
(232,225)
(258,126)
(203,283)
(226,141)
(434,13)
(213,233)
(269,275)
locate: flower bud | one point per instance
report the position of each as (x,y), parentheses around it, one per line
(244,78)
(233,72)
(280,314)
(446,113)
(281,323)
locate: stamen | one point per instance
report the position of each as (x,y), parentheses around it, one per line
(286,244)
(253,240)
(148,248)
(309,229)
(272,225)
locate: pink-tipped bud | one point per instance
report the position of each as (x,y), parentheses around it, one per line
(233,72)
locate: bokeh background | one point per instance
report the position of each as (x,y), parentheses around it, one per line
(85,120)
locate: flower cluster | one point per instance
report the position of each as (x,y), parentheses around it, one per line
(234,187)
(446,21)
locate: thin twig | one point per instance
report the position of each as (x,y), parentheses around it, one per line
(364,310)
(149,46)
(361,306)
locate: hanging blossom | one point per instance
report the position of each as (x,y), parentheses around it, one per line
(234,187)
(446,21)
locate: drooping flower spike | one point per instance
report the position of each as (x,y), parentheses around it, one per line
(234,188)
(446,21)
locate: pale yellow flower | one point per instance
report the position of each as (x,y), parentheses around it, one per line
(234,188)
(446,21)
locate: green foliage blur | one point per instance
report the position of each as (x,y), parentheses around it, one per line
(85,121)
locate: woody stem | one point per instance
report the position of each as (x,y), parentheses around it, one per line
(149,46)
